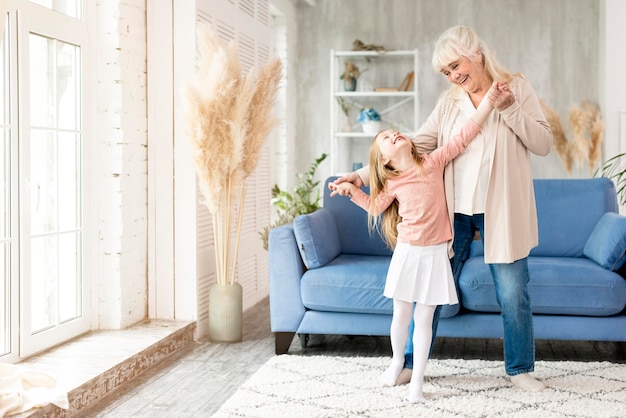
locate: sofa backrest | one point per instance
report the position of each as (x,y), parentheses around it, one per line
(351,223)
(567,212)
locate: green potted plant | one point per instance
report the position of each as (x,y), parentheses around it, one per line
(304,199)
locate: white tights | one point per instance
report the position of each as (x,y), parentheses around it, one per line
(423,318)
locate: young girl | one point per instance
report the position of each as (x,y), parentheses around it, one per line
(409,189)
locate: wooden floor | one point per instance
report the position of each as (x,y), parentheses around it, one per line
(197,381)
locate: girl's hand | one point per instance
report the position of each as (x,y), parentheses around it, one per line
(350,178)
(342,189)
(501,97)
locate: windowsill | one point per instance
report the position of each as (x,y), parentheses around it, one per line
(91,366)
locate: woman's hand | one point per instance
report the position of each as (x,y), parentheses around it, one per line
(348,178)
(501,97)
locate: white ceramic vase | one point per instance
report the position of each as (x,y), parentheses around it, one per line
(371,127)
(225,313)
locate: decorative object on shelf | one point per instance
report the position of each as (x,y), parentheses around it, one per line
(407,83)
(229,117)
(369,119)
(346,106)
(305,199)
(349,76)
(586,127)
(359,45)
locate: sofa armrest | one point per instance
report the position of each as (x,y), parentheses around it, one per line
(286,270)
(607,243)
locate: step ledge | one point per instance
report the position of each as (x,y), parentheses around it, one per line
(95,364)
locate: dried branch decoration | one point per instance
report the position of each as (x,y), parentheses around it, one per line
(229,117)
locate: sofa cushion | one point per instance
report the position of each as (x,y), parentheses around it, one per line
(558,285)
(607,243)
(317,238)
(349,283)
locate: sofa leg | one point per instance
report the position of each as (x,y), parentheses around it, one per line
(282,341)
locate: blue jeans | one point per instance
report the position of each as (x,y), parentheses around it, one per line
(511,283)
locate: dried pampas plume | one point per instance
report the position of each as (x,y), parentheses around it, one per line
(560,140)
(229,117)
(586,128)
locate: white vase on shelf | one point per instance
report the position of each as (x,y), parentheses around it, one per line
(347,126)
(371,127)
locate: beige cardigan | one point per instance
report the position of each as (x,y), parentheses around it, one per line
(510,214)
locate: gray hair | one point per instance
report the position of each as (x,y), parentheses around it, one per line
(462,41)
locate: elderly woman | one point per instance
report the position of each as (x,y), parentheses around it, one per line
(489,187)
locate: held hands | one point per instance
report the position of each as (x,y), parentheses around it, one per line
(345,186)
(500,95)
(342,189)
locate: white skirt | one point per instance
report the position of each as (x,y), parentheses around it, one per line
(421,274)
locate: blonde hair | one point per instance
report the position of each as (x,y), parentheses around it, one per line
(462,41)
(387,222)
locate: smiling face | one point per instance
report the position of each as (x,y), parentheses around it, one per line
(468,74)
(392,145)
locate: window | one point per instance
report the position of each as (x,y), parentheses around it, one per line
(44,248)
(8,249)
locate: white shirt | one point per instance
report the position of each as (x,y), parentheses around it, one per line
(472,167)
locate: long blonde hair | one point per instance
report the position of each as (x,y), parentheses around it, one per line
(387,222)
(462,41)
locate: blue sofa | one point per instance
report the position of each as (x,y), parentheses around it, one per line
(327,273)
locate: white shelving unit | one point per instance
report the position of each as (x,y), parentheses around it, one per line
(382,69)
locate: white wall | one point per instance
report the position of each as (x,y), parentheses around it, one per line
(121,159)
(612,80)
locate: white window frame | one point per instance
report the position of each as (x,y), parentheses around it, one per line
(25,18)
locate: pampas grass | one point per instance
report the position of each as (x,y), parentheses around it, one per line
(229,117)
(560,140)
(586,127)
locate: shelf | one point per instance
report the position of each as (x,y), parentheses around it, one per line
(398,109)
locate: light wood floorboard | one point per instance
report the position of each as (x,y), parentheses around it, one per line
(199,379)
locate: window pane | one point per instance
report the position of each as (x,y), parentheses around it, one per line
(69,176)
(44,196)
(44,275)
(70,282)
(68,85)
(42,97)
(4,75)
(5,299)
(71,8)
(5,189)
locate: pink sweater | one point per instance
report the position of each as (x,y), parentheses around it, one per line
(421,197)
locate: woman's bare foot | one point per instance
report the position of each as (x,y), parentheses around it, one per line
(527,382)
(404,377)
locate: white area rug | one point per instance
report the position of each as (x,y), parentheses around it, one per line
(319,386)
